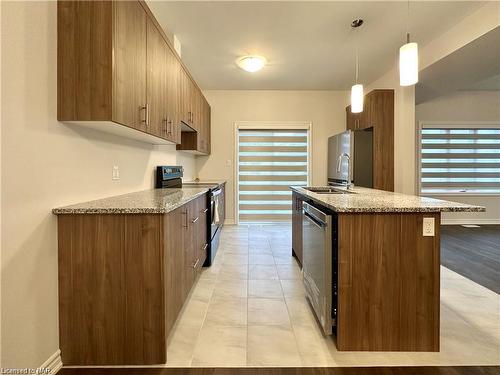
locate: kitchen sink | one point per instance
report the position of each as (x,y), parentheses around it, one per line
(328,190)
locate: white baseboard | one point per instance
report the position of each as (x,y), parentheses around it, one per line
(470,221)
(54,363)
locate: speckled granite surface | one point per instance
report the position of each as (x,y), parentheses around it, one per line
(203,183)
(154,201)
(372,200)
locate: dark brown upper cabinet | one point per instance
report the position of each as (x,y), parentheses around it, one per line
(157,81)
(117,72)
(378,116)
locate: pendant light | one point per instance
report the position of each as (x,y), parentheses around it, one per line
(357,94)
(408,59)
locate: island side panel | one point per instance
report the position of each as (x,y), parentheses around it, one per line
(111,301)
(388,283)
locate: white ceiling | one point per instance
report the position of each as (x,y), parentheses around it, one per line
(488,84)
(475,66)
(309,45)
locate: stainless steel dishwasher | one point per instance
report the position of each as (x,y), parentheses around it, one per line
(318,265)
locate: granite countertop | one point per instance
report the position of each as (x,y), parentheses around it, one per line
(204,183)
(154,201)
(372,200)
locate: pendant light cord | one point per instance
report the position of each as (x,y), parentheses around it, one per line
(357,56)
(354,26)
(408,22)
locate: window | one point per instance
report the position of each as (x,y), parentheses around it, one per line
(459,159)
(269,161)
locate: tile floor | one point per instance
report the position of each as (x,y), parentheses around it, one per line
(249,309)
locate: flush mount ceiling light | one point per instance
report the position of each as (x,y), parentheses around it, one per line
(408,59)
(251,63)
(357,94)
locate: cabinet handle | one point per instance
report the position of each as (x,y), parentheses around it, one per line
(196,263)
(205,210)
(165,127)
(205,247)
(169,128)
(146,114)
(195,220)
(185,213)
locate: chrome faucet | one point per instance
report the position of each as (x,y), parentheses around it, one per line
(339,166)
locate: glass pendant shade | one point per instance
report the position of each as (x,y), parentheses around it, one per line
(357,98)
(408,64)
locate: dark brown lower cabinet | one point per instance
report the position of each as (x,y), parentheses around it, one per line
(388,282)
(123,279)
(297,227)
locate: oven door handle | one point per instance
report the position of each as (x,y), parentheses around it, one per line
(319,223)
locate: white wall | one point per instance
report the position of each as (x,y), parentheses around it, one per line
(471,27)
(466,106)
(1,127)
(325,109)
(46,164)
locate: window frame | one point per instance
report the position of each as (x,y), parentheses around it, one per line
(446,124)
(267,125)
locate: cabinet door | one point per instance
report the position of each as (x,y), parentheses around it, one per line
(351,121)
(174,266)
(185,97)
(156,81)
(195,105)
(208,128)
(365,118)
(173,96)
(297,227)
(199,121)
(187,248)
(204,128)
(129,64)
(202,235)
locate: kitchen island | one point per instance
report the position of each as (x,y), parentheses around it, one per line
(384,266)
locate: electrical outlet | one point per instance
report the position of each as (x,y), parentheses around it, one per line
(428,227)
(116,173)
(228,162)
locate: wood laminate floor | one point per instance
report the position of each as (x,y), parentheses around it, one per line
(292,371)
(473,253)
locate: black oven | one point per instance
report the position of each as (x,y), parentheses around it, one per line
(216,216)
(171,177)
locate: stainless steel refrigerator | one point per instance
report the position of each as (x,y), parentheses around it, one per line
(359,146)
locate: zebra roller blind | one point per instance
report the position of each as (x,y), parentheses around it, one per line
(460,160)
(269,161)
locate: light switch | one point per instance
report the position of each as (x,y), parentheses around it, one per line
(428,227)
(229,163)
(116,173)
